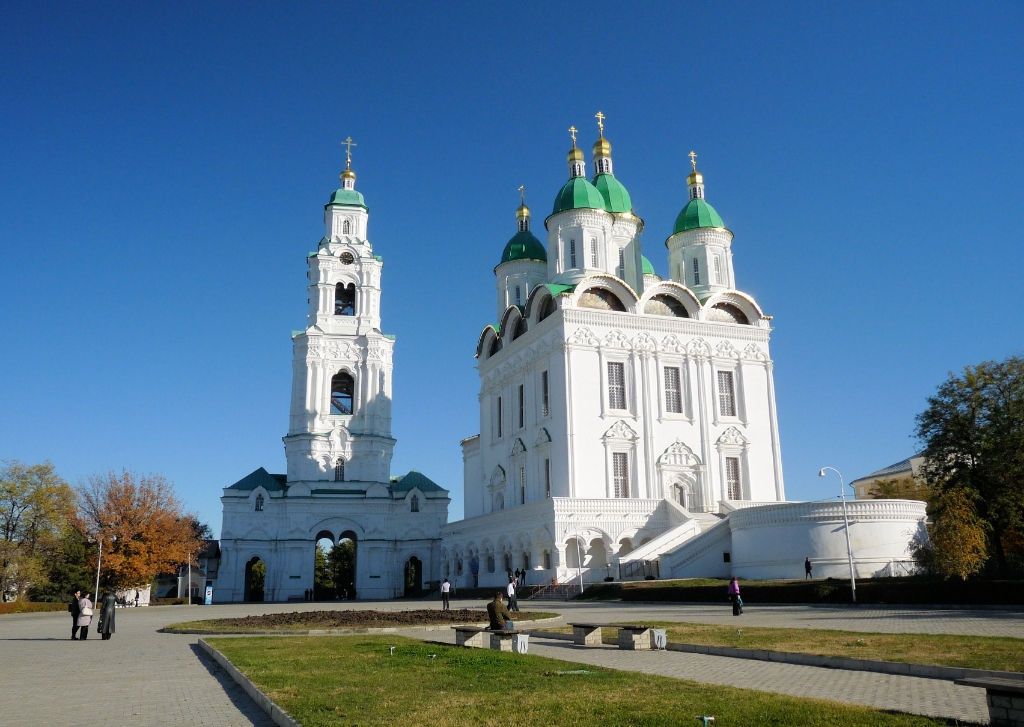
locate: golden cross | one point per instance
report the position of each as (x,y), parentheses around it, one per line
(572,131)
(693,160)
(522,193)
(600,122)
(348,143)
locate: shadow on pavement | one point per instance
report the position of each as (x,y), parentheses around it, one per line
(242,701)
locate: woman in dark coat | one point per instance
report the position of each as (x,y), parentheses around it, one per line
(107,615)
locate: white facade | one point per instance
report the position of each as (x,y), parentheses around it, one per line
(339,444)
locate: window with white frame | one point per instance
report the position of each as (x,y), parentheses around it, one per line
(726,394)
(339,470)
(346,228)
(673,395)
(696,271)
(544,410)
(593,252)
(718,269)
(547,478)
(732,478)
(620,473)
(616,385)
(414,503)
(259,503)
(572,253)
(519,296)
(622,263)
(522,407)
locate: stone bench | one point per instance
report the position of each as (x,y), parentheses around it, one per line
(476,637)
(634,637)
(1005,698)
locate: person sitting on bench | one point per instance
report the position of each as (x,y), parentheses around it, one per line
(501,619)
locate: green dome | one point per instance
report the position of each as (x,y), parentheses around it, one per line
(648,268)
(577,194)
(616,198)
(696,214)
(349,197)
(524,246)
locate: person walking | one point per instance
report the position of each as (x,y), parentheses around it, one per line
(106,626)
(734,596)
(807,568)
(446,588)
(511,591)
(74,609)
(84,616)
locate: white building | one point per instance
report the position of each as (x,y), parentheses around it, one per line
(624,418)
(339,443)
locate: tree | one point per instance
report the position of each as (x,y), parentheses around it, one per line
(341,562)
(36,506)
(67,569)
(901,488)
(323,579)
(973,437)
(957,537)
(153,534)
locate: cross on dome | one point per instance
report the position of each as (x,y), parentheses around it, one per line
(348,144)
(600,123)
(522,193)
(572,133)
(693,160)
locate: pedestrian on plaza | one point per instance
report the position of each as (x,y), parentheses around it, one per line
(106,626)
(74,609)
(734,596)
(807,568)
(446,588)
(499,616)
(84,616)
(136,599)
(522,580)
(513,604)
(517,575)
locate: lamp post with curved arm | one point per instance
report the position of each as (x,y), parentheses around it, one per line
(846,522)
(99,562)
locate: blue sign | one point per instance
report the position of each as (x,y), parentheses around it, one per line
(209,596)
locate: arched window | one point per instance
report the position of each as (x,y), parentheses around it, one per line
(346,228)
(696,271)
(665,305)
(519,296)
(259,503)
(342,386)
(490,563)
(718,270)
(414,503)
(339,470)
(345,299)
(602,299)
(572,253)
(593,252)
(508,562)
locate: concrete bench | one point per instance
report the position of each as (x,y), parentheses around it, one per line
(515,640)
(1005,698)
(634,637)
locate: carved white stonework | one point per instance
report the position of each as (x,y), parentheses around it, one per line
(678,455)
(616,339)
(726,350)
(645,342)
(672,344)
(583,336)
(699,348)
(753,352)
(732,436)
(621,430)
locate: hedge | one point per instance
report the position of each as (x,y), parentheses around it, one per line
(30,607)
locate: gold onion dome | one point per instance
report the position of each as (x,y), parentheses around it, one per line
(695,177)
(575,154)
(602,148)
(348,174)
(523,211)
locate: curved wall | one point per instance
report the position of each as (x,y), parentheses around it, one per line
(772,541)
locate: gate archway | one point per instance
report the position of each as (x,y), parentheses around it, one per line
(413,576)
(255,579)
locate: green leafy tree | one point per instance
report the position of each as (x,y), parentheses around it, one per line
(957,537)
(67,570)
(323,579)
(342,565)
(973,437)
(36,506)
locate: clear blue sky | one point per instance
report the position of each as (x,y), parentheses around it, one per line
(164,169)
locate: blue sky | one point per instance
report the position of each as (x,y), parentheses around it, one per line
(164,170)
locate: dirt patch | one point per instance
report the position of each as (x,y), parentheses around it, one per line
(305,620)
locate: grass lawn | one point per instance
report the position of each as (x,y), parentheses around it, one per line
(352,680)
(974,652)
(347,619)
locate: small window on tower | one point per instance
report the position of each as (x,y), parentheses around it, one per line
(342,388)
(345,299)
(696,271)
(346,228)
(259,503)
(718,270)
(519,296)
(622,263)
(339,470)
(593,252)
(572,253)
(544,409)
(414,503)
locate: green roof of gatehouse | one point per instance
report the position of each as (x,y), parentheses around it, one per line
(578,194)
(616,198)
(697,214)
(404,483)
(524,245)
(261,478)
(347,197)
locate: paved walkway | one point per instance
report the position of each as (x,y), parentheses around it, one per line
(142,677)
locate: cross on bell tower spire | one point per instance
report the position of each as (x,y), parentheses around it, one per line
(348,177)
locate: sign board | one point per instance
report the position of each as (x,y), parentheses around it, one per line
(209,596)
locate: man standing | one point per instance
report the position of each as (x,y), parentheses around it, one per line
(74,609)
(498,615)
(511,590)
(807,568)
(446,588)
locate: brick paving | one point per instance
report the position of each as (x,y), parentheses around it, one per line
(142,677)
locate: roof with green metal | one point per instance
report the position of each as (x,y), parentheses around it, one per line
(616,198)
(524,246)
(261,478)
(415,479)
(348,197)
(648,268)
(696,214)
(577,194)
(559,289)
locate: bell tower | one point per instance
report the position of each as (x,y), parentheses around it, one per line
(340,422)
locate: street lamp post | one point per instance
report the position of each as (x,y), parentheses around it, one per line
(846,522)
(99,562)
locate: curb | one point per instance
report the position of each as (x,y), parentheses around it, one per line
(925,671)
(341,632)
(276,714)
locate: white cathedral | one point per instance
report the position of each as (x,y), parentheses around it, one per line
(627,423)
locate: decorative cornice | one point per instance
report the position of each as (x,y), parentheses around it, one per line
(622,431)
(732,437)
